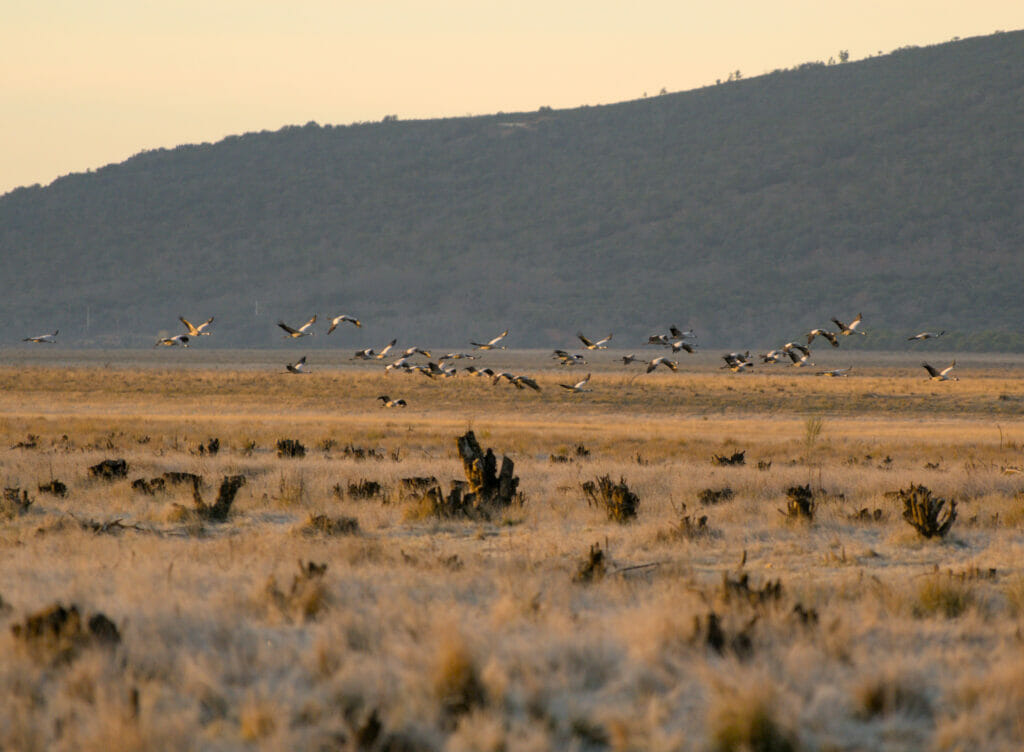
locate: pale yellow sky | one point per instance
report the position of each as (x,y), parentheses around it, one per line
(84,84)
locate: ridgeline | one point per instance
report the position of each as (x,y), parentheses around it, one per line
(752,210)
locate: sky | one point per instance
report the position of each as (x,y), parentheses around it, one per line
(85,84)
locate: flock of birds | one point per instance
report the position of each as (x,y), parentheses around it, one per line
(796,353)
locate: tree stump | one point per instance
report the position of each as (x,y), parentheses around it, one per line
(219,511)
(801,503)
(14,503)
(488,487)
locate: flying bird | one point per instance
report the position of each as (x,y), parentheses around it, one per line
(457,356)
(662,361)
(631,358)
(800,360)
(942,375)
(845,330)
(178,339)
(343,317)
(836,372)
(739,366)
(386,401)
(525,381)
(402,364)
(925,335)
(493,344)
(734,357)
(439,369)
(790,346)
(566,358)
(370,354)
(688,334)
(681,345)
(301,331)
(196,331)
(579,386)
(830,336)
(298,366)
(43,339)
(601,344)
(385,350)
(495,378)
(739,362)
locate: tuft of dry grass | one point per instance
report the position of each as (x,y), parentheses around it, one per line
(891,692)
(942,595)
(455,678)
(327,525)
(748,720)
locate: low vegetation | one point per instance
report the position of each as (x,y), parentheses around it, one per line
(164,608)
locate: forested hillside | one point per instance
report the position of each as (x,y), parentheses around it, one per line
(752,210)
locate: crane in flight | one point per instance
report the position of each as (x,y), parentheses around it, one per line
(301,331)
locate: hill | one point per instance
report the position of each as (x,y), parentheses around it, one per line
(752,210)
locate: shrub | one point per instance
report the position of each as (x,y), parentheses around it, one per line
(710,496)
(615,498)
(290,448)
(737,458)
(109,469)
(747,721)
(801,503)
(924,511)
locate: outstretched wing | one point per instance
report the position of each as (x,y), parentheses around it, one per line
(287,328)
(527,381)
(584,340)
(931,371)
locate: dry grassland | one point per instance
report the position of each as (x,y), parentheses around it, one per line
(747,631)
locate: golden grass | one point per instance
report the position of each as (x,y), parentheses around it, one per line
(440,634)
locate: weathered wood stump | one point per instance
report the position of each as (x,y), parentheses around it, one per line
(486,489)
(54,487)
(290,448)
(800,504)
(219,511)
(14,503)
(737,458)
(488,486)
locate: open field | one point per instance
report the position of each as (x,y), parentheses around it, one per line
(481,634)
